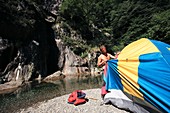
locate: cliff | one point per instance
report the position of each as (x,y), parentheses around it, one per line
(29,47)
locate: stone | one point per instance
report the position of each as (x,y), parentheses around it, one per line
(55,76)
(68,62)
(9,87)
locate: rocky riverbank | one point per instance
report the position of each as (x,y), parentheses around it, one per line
(60,105)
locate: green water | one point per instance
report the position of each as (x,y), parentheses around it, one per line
(45,91)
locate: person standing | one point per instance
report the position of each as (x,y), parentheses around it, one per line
(102,60)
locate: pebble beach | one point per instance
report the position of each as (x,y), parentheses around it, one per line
(60,105)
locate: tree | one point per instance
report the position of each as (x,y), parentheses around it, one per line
(124,20)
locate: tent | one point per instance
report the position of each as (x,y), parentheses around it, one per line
(142,70)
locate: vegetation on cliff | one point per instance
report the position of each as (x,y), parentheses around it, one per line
(82,25)
(112,22)
(116,23)
(28,37)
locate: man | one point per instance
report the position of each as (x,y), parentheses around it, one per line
(102,60)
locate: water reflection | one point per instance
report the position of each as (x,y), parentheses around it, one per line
(45,91)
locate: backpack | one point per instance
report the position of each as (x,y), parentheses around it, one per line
(77,97)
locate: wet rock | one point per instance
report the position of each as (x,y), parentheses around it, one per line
(55,76)
(1,81)
(6,54)
(9,87)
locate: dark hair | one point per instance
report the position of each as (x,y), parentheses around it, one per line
(102,46)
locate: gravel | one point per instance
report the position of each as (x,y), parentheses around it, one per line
(60,105)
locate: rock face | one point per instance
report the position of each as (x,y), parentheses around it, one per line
(27,45)
(32,58)
(5,52)
(23,61)
(68,62)
(30,48)
(39,57)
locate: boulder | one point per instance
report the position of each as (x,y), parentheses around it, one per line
(68,62)
(55,76)
(10,87)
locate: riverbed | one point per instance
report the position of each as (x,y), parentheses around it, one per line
(44,91)
(60,105)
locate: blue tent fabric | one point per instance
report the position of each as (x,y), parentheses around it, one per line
(113,82)
(146,74)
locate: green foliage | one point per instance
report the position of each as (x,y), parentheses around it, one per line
(17,13)
(114,23)
(84,55)
(23,13)
(160,28)
(77,46)
(124,20)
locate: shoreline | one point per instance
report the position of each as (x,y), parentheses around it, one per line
(60,105)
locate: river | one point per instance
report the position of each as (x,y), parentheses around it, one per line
(44,91)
